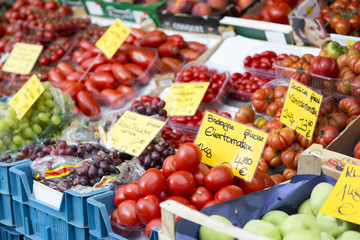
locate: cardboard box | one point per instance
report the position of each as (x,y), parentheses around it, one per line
(123,10)
(331,161)
(195,24)
(272,32)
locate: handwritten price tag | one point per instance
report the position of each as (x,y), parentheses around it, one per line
(301,109)
(343,202)
(133,132)
(26,96)
(223,140)
(185,98)
(22,58)
(112,39)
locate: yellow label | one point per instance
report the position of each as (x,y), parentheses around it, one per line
(112,39)
(223,140)
(22,58)
(133,132)
(184,99)
(301,109)
(344,200)
(26,96)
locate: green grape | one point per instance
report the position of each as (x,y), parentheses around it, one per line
(6,140)
(28,132)
(46,85)
(43,117)
(3,106)
(47,95)
(49,103)
(9,121)
(24,124)
(13,147)
(27,142)
(37,129)
(57,110)
(17,140)
(36,119)
(55,120)
(12,112)
(2,124)
(29,113)
(1,144)
(41,107)
(16,124)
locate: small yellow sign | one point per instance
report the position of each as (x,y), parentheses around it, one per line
(26,96)
(22,58)
(301,109)
(112,39)
(184,99)
(222,140)
(344,200)
(133,132)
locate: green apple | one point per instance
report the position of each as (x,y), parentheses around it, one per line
(349,235)
(302,234)
(326,236)
(275,217)
(319,195)
(333,226)
(263,228)
(206,233)
(305,208)
(299,221)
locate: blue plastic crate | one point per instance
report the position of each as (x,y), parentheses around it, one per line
(73,207)
(4,99)
(9,233)
(100,208)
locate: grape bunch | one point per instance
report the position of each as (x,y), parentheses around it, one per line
(149,109)
(155,153)
(47,116)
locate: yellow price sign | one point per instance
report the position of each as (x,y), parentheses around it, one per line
(133,132)
(223,140)
(26,96)
(301,109)
(185,98)
(22,58)
(344,200)
(112,39)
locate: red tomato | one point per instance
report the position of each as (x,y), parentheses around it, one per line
(278,12)
(114,217)
(168,166)
(142,57)
(188,157)
(122,74)
(112,98)
(210,203)
(142,76)
(147,208)
(93,63)
(127,213)
(180,183)
(200,197)
(176,39)
(65,68)
(200,173)
(90,87)
(178,199)
(277,178)
(324,66)
(74,89)
(218,177)
(104,68)
(119,195)
(55,78)
(75,76)
(257,183)
(129,92)
(151,182)
(228,192)
(103,80)
(151,225)
(131,191)
(88,105)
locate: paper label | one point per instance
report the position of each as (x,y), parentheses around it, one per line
(26,96)
(133,132)
(112,39)
(184,99)
(301,109)
(343,202)
(222,140)
(164,80)
(22,58)
(275,37)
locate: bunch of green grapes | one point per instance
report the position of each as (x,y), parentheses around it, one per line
(48,116)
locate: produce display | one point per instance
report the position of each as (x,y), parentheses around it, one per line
(61,157)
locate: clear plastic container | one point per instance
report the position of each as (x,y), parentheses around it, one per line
(336,86)
(285,73)
(209,68)
(127,231)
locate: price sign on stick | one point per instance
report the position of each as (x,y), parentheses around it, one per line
(222,140)
(22,58)
(301,109)
(112,39)
(184,98)
(26,96)
(133,132)
(344,200)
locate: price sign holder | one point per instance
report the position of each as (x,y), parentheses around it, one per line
(133,132)
(185,98)
(344,200)
(26,96)
(222,140)
(301,109)
(112,39)
(22,58)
